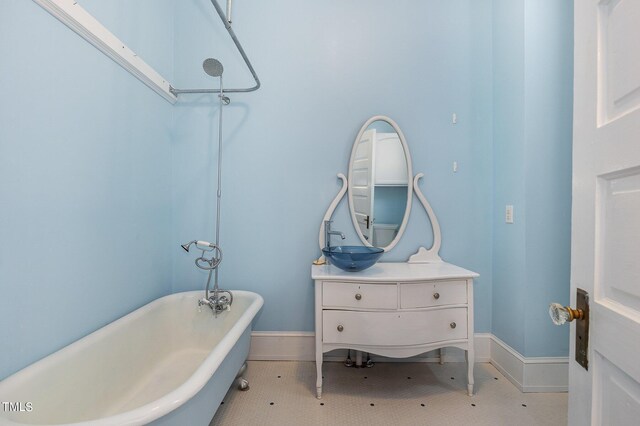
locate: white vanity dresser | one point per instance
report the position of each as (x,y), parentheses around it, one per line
(394,309)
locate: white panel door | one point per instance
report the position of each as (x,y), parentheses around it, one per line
(391,162)
(605,241)
(362,182)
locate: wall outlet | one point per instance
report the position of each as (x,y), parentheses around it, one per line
(508,215)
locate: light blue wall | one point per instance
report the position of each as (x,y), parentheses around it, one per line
(327,67)
(509,187)
(533,81)
(85,173)
(93,164)
(548,137)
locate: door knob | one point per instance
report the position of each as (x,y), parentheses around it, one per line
(560,314)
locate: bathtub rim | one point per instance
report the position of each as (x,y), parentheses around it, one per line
(169,402)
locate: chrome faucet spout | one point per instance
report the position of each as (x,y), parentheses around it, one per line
(328,233)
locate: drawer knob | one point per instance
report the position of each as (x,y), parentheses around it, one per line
(358,296)
(436,296)
(452,325)
(340,328)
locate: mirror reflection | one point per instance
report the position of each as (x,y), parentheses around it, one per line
(379,184)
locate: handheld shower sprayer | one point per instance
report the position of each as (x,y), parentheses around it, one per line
(203,262)
(202,245)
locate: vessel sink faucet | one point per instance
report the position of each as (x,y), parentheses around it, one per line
(328,233)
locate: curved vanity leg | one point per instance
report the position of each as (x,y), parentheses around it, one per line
(471,348)
(319,377)
(319,353)
(470,363)
(441,355)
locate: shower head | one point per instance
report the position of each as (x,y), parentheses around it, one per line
(187,245)
(213,67)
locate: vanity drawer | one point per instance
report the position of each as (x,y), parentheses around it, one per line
(394,328)
(433,293)
(359,296)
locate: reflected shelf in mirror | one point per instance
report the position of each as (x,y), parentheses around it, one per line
(379,187)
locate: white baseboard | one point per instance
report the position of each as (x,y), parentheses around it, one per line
(282,346)
(527,374)
(534,374)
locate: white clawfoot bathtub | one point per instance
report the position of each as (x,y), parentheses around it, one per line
(167,363)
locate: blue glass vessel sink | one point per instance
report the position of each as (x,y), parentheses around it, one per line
(353,258)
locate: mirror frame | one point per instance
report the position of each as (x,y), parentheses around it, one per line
(407,211)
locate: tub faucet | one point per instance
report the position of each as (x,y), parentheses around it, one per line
(218,301)
(328,233)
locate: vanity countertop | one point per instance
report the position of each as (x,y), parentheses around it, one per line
(394,271)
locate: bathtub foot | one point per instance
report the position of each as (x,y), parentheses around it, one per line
(243,384)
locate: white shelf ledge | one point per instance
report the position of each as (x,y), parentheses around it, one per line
(70,13)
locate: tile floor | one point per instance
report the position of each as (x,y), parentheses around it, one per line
(283,393)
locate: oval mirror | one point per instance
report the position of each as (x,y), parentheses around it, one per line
(380,188)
